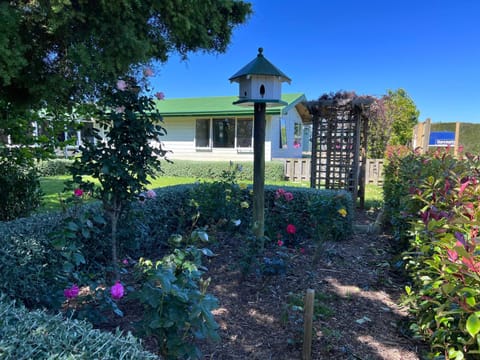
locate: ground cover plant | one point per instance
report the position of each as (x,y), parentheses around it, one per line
(38,335)
(439,207)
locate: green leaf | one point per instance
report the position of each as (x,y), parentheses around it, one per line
(473,325)
(207,252)
(470,301)
(78,258)
(72,226)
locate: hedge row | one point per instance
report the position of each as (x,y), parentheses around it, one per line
(214,169)
(182,168)
(37,335)
(28,259)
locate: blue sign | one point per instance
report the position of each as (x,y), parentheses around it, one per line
(442,138)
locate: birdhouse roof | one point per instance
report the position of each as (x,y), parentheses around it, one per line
(260,66)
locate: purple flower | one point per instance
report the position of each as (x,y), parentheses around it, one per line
(78,192)
(71,292)
(117,291)
(160,95)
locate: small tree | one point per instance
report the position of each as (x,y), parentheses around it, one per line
(123,159)
(392,119)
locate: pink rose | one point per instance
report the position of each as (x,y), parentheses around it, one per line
(121,85)
(78,192)
(151,194)
(288,196)
(291,229)
(160,95)
(117,291)
(125,261)
(280,243)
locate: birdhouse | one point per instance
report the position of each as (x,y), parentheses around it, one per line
(260,82)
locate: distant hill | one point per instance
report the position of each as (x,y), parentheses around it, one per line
(469,134)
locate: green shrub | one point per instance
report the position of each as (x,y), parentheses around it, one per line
(54,167)
(146,227)
(214,169)
(222,202)
(38,335)
(29,266)
(20,191)
(437,197)
(177,308)
(316,214)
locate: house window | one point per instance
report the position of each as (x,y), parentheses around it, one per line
(297,136)
(202,133)
(224,133)
(244,133)
(283,133)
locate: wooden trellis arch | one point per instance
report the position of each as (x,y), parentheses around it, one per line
(339,143)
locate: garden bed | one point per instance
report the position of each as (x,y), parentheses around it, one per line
(357,297)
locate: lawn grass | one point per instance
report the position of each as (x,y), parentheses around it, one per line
(53,188)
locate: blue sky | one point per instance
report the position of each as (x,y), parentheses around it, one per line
(430,48)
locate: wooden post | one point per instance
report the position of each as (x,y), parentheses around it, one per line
(259,171)
(308,324)
(457,138)
(426,135)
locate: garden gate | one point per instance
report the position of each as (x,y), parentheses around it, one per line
(339,142)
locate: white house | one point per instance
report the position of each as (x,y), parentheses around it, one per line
(212,128)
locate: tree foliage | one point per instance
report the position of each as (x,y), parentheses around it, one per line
(56,55)
(392,119)
(123,159)
(64,50)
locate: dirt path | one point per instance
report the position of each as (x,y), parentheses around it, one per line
(357,311)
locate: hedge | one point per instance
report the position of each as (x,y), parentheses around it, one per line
(182,168)
(37,335)
(213,169)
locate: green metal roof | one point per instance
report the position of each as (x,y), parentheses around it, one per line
(219,106)
(260,66)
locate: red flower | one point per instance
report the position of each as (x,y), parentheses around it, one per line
(280,243)
(291,229)
(279,193)
(288,196)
